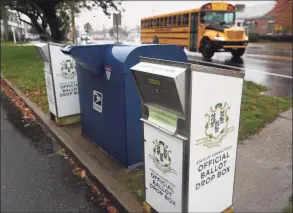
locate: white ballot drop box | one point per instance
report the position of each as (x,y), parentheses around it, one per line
(190,117)
(61,83)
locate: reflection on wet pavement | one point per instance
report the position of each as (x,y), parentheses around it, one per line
(274,73)
(35,176)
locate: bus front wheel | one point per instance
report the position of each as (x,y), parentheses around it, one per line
(238,52)
(207,51)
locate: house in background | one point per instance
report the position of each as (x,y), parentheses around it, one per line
(268,19)
(14,24)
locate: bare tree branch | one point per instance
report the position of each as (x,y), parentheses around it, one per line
(20,19)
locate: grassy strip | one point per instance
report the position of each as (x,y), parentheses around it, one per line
(11,43)
(23,67)
(288,209)
(257,110)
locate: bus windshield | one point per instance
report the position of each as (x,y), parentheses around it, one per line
(217,17)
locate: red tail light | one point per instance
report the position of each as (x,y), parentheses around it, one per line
(207,6)
(231,7)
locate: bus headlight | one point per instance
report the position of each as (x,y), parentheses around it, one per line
(218,38)
(246,38)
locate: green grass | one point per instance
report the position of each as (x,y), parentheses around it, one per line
(23,67)
(11,43)
(257,110)
(288,209)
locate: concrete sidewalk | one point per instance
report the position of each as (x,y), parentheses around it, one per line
(264,168)
(263,173)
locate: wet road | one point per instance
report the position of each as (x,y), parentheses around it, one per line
(34,178)
(272,72)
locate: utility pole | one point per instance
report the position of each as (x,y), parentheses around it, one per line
(117,23)
(74,39)
(117,28)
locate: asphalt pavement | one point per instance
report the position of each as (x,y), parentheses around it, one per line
(271,71)
(34,177)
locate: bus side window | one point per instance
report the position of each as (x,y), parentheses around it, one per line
(142,24)
(174,20)
(147,25)
(158,22)
(170,21)
(151,23)
(165,22)
(161,22)
(155,22)
(179,20)
(185,19)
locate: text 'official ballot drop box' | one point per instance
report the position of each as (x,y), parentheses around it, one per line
(190,121)
(61,83)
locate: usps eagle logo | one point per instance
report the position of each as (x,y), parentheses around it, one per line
(217,126)
(68,69)
(161,157)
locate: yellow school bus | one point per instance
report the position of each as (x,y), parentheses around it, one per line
(208,29)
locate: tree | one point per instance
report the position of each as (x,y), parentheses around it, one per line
(55,14)
(111,32)
(137,28)
(88,28)
(104,31)
(121,31)
(32,30)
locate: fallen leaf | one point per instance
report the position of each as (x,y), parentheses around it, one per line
(3,186)
(104,203)
(112,209)
(76,170)
(254,108)
(82,174)
(27,125)
(71,161)
(95,189)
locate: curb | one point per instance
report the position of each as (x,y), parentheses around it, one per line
(112,187)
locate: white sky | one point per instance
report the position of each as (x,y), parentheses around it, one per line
(135,10)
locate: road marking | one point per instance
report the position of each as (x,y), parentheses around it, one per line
(266,61)
(288,58)
(243,70)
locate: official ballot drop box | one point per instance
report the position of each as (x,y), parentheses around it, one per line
(61,83)
(190,119)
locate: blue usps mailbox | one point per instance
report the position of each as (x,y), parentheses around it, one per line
(109,102)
